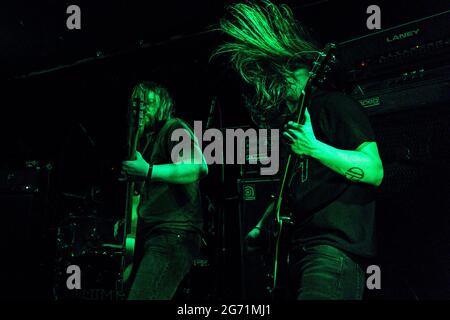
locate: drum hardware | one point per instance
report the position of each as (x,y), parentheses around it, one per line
(82,239)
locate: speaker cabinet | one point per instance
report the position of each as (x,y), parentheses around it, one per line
(254,197)
(413,204)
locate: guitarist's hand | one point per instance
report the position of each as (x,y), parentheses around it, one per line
(135,170)
(302,138)
(254,240)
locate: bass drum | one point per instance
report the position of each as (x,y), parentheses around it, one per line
(77,234)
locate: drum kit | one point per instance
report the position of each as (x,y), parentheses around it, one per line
(85,239)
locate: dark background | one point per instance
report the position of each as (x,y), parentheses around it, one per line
(63,103)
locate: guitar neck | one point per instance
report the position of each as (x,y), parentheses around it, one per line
(134,144)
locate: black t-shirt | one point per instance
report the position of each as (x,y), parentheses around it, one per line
(329,208)
(167,205)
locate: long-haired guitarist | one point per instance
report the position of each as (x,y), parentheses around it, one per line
(169,208)
(331,192)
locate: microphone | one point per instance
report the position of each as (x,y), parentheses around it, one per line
(211,112)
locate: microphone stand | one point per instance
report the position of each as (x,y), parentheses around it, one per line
(221,217)
(219,221)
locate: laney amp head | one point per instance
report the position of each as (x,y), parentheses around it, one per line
(420,44)
(401,67)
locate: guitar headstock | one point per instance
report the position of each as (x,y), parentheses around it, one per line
(317,75)
(323,65)
(138,112)
(136,123)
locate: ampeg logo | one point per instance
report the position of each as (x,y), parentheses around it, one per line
(403,35)
(249,192)
(370,102)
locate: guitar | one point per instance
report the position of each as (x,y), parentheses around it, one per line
(283,214)
(135,128)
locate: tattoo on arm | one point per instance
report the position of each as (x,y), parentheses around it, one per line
(354,174)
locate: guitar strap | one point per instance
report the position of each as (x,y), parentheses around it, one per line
(149,137)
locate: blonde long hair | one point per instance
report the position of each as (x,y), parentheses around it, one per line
(268,45)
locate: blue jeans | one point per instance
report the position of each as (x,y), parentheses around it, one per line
(167,257)
(323,272)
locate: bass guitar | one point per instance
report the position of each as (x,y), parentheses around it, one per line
(135,128)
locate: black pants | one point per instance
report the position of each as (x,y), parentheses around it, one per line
(166,258)
(323,272)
